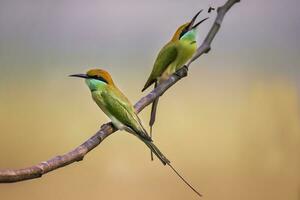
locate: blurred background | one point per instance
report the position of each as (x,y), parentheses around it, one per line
(232,127)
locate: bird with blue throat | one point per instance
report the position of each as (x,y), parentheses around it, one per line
(119,109)
(172,57)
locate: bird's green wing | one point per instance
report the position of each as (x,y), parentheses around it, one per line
(120,107)
(165,57)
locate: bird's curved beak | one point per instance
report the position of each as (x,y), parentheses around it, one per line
(79,76)
(195,26)
(191,24)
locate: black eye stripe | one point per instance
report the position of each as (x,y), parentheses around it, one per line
(183,32)
(102,79)
(99,78)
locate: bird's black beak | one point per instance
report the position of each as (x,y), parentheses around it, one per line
(195,26)
(79,76)
(191,24)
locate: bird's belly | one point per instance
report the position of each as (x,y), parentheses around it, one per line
(168,72)
(119,125)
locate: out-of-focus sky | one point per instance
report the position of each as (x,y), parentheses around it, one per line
(232,127)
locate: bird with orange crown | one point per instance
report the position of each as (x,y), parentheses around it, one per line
(172,57)
(120,110)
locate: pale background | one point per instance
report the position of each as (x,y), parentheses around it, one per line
(232,127)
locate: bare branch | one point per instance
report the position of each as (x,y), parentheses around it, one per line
(77,154)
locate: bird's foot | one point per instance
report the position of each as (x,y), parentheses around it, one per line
(107,125)
(103,126)
(182,72)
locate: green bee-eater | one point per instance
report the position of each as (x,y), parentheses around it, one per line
(172,57)
(117,107)
(121,112)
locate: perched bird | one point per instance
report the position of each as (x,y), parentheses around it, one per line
(117,107)
(121,112)
(172,57)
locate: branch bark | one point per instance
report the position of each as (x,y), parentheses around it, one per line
(77,154)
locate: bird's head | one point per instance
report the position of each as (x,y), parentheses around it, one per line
(188,30)
(96,78)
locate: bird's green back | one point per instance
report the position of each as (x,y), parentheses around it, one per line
(165,57)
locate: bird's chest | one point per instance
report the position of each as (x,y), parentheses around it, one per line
(186,50)
(98,98)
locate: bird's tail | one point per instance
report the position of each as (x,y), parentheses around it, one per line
(165,161)
(153,115)
(156,151)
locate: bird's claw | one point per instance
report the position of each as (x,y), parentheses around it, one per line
(182,72)
(103,125)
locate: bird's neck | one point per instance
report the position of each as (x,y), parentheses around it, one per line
(190,36)
(95,85)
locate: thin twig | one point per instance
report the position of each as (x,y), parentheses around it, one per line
(77,154)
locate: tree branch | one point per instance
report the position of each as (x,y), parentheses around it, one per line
(77,154)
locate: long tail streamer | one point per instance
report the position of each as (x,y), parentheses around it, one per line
(184,180)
